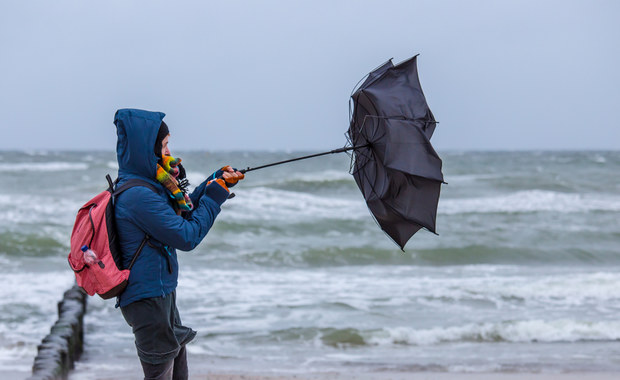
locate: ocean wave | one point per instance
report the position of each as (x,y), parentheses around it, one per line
(17,357)
(36,152)
(35,225)
(54,166)
(598,158)
(42,242)
(527,331)
(531,201)
(35,210)
(27,312)
(351,242)
(335,181)
(195,178)
(373,290)
(289,253)
(462,179)
(498,289)
(262,203)
(462,253)
(322,177)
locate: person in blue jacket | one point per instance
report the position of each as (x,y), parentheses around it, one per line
(168,219)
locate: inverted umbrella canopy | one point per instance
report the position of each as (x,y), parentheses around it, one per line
(393,161)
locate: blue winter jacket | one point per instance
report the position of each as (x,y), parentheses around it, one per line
(141,211)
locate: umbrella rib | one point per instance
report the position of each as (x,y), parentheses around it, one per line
(402,118)
(371,71)
(368,157)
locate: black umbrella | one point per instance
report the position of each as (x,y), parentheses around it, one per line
(392,160)
(395,165)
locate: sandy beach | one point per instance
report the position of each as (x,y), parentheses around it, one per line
(388,375)
(409,375)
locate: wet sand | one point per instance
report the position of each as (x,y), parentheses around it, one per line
(413,376)
(200,372)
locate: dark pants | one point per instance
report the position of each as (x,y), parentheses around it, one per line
(171,370)
(160,337)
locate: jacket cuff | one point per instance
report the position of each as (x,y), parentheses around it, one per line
(216,192)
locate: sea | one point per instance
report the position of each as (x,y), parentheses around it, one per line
(296,277)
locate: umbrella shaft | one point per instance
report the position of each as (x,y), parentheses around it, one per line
(341,150)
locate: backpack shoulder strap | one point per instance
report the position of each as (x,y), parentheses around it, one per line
(135,255)
(127,185)
(133,183)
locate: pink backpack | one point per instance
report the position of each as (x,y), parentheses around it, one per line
(94,231)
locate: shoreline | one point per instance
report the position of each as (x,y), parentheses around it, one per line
(411,375)
(398,376)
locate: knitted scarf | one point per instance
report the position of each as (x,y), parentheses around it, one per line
(167,176)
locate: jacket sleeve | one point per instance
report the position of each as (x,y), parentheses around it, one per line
(156,217)
(198,192)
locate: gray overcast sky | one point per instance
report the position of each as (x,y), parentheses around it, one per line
(278,74)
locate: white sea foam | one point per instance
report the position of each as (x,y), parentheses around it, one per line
(531,201)
(562,330)
(470,178)
(17,358)
(598,158)
(41,286)
(264,203)
(503,289)
(195,178)
(31,209)
(36,152)
(579,289)
(500,288)
(96,369)
(322,176)
(480,368)
(32,300)
(44,166)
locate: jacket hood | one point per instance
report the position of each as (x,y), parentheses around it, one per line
(137,131)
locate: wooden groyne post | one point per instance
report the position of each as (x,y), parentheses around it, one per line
(60,349)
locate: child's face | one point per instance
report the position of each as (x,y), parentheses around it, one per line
(165,151)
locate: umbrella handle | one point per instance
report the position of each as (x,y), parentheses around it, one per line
(230,195)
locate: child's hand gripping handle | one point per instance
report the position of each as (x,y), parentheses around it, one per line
(228,177)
